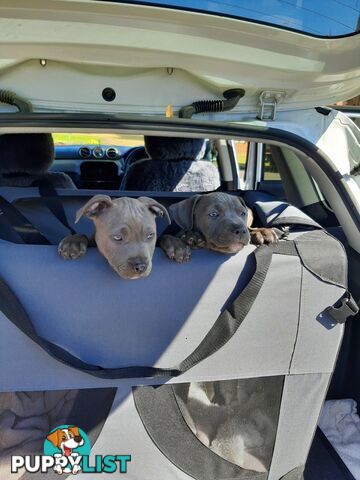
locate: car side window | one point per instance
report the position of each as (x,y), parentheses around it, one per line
(269,169)
(268,176)
(241,150)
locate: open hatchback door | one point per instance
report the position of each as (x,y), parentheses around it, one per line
(60,55)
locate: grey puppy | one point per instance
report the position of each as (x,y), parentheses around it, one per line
(216,221)
(125,233)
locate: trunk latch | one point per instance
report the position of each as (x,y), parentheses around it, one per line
(268,104)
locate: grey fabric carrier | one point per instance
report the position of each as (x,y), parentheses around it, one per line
(245,406)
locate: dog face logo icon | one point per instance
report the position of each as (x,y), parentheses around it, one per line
(67,443)
(67,450)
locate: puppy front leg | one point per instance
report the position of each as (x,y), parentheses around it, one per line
(175,248)
(73,247)
(192,238)
(261,236)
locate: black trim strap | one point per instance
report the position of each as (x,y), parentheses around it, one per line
(218,335)
(295,221)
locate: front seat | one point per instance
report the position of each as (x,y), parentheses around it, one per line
(175,165)
(25,158)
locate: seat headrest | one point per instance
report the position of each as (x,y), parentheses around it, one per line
(31,153)
(170,148)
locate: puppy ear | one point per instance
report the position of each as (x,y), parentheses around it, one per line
(94,206)
(183,212)
(53,438)
(242,201)
(250,215)
(156,208)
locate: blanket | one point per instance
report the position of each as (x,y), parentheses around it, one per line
(26,418)
(340,423)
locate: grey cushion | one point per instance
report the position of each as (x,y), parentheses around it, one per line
(168,176)
(170,148)
(174,165)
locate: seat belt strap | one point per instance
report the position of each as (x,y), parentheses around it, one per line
(53,202)
(25,232)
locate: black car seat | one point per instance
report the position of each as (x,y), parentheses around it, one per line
(175,165)
(25,159)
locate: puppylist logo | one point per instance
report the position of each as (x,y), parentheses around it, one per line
(66,450)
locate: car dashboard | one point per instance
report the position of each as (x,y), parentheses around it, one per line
(95,166)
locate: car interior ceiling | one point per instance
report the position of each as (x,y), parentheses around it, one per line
(184,162)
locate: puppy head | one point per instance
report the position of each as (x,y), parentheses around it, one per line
(223,219)
(125,231)
(66,438)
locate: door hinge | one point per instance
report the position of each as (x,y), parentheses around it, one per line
(268,101)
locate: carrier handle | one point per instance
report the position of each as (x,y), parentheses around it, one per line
(219,334)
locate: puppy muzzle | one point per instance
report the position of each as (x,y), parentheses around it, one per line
(230,240)
(133,269)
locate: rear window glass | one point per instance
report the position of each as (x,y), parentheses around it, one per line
(111,161)
(323,18)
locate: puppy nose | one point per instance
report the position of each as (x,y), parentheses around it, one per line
(78,439)
(139,266)
(239,230)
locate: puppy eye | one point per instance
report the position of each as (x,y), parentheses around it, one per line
(149,236)
(118,238)
(243,214)
(213,214)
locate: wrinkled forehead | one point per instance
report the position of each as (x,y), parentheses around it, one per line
(129,211)
(223,201)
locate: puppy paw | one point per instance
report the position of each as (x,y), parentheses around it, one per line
(193,238)
(261,236)
(73,246)
(175,249)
